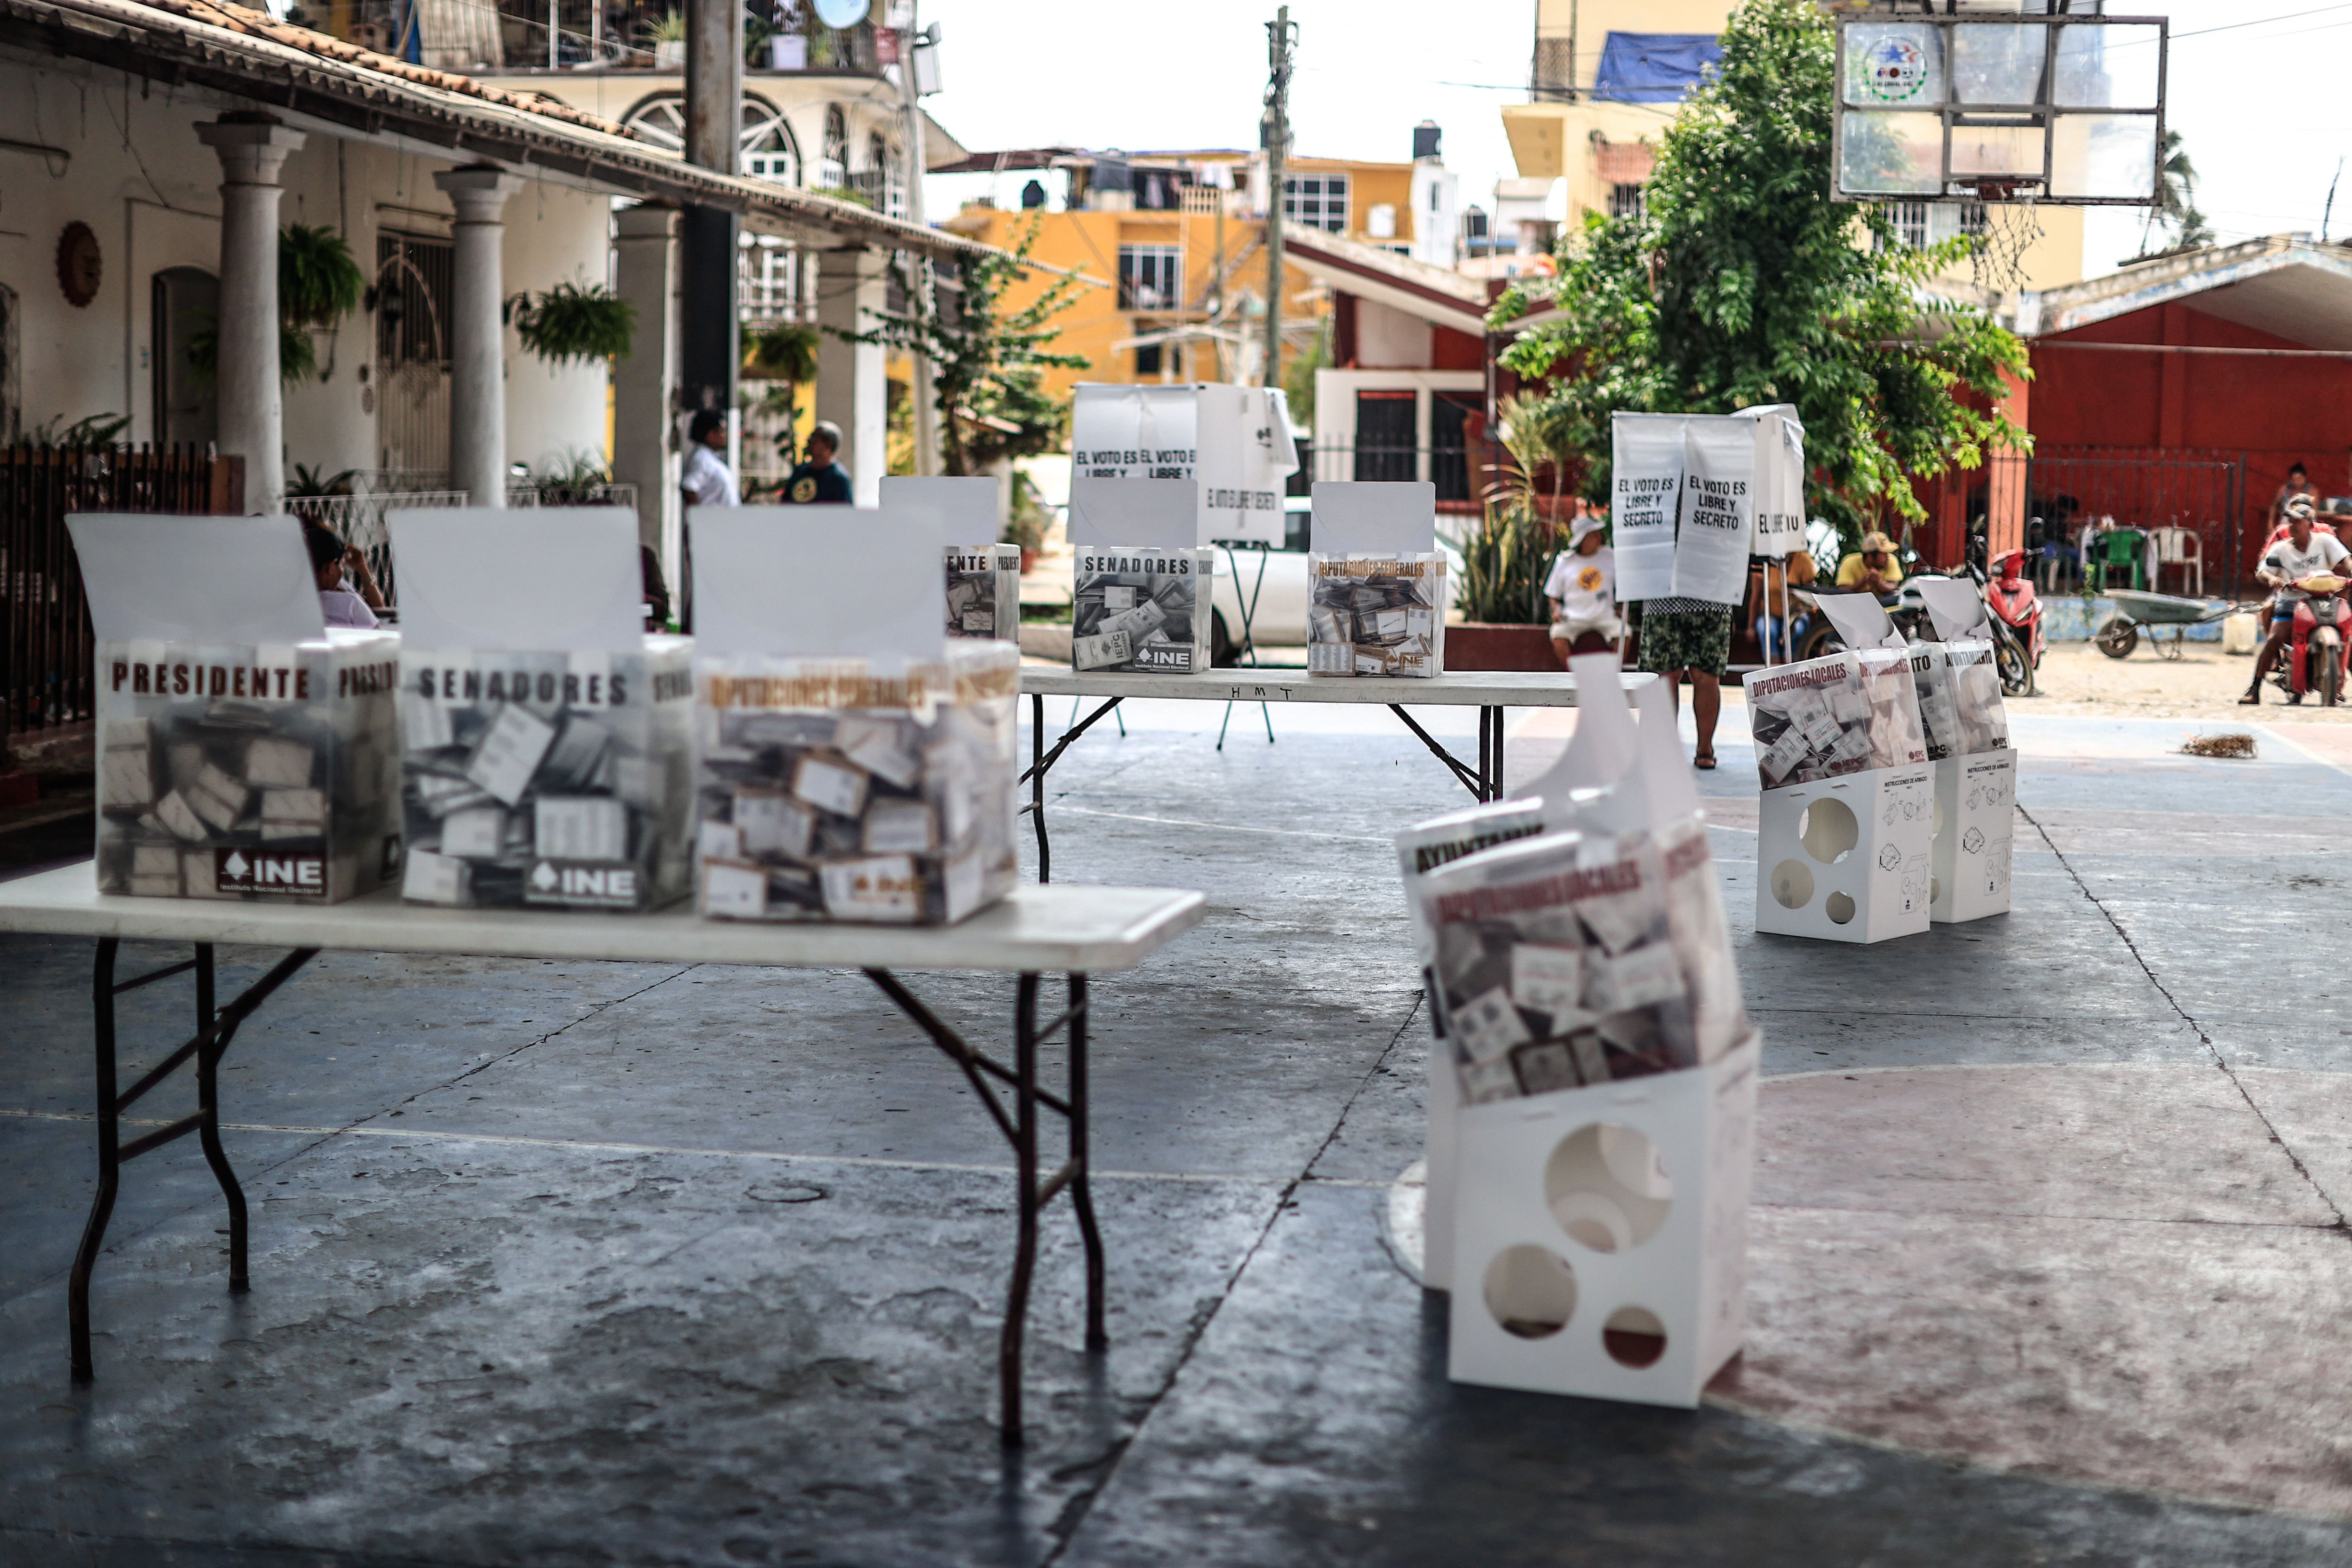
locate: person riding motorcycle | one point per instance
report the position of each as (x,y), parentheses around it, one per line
(2303,553)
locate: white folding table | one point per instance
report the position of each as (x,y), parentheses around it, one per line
(1488,690)
(1077,930)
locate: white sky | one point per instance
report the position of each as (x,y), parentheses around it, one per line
(2260,105)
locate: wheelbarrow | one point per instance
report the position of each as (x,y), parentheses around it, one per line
(2120,633)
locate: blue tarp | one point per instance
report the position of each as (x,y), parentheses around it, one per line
(1653,68)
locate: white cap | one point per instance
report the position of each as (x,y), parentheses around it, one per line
(1585,525)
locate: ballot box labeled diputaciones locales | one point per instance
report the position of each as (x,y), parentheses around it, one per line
(245,751)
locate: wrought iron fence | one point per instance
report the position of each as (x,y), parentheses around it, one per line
(2202,496)
(46,642)
(361,518)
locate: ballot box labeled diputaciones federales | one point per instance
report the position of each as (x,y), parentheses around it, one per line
(547,739)
(245,751)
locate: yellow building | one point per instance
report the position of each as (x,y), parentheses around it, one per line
(1172,248)
(1588,140)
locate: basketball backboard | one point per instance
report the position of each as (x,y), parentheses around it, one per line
(1998,101)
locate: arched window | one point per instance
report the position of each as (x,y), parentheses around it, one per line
(833,164)
(885,176)
(767,148)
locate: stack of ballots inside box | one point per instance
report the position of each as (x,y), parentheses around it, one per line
(1377,587)
(852,763)
(546,738)
(984,576)
(1842,713)
(1141,580)
(245,749)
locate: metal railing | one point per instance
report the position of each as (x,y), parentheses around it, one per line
(46,645)
(2205,496)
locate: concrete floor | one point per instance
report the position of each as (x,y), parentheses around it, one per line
(610,1264)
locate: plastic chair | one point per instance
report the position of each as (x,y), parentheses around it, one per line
(2120,550)
(2179,547)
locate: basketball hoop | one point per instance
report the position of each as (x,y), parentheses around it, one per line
(1965,101)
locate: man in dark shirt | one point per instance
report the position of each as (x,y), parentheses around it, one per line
(820,480)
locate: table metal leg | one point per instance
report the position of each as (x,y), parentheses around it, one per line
(214,1030)
(1019,1126)
(1081,1196)
(1042,760)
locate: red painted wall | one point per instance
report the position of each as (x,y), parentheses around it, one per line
(2129,414)
(1450,350)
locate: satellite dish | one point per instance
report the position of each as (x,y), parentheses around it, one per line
(841,13)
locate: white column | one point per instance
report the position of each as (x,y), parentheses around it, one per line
(477,383)
(252,149)
(852,292)
(645,385)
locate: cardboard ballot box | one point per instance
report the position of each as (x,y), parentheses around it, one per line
(1141,577)
(1377,589)
(852,763)
(1584,991)
(984,576)
(1845,821)
(245,749)
(1976,770)
(1601,1235)
(1236,441)
(546,740)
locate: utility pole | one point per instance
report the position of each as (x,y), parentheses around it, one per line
(709,331)
(925,305)
(1273,134)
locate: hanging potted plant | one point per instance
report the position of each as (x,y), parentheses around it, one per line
(318,284)
(574,323)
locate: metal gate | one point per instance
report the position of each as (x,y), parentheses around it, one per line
(2203,497)
(412,281)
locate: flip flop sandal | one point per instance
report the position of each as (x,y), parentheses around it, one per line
(1705,762)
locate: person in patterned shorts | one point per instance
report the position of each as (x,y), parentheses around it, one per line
(1690,637)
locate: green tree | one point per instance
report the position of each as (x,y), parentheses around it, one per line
(988,366)
(1744,283)
(2175,202)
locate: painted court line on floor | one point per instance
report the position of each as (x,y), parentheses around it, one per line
(607,1146)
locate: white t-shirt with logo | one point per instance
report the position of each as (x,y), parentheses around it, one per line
(708,479)
(2322,553)
(1585,586)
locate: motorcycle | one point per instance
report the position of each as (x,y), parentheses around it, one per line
(2014,619)
(2316,662)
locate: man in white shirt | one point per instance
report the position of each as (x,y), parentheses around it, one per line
(2303,553)
(1582,589)
(707,481)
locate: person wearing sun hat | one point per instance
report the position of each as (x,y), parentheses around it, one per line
(1872,569)
(1582,589)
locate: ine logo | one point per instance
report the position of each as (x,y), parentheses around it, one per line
(269,874)
(595,884)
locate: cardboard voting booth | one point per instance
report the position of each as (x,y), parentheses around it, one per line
(1235,440)
(547,739)
(983,576)
(1589,1211)
(1377,588)
(1976,770)
(1844,820)
(852,762)
(1141,577)
(245,751)
(1695,495)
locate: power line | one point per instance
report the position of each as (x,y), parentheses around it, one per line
(2259,21)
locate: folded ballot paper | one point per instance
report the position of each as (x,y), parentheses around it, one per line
(984,576)
(1376,582)
(852,763)
(1141,578)
(546,740)
(245,751)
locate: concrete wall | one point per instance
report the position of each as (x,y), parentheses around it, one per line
(155,203)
